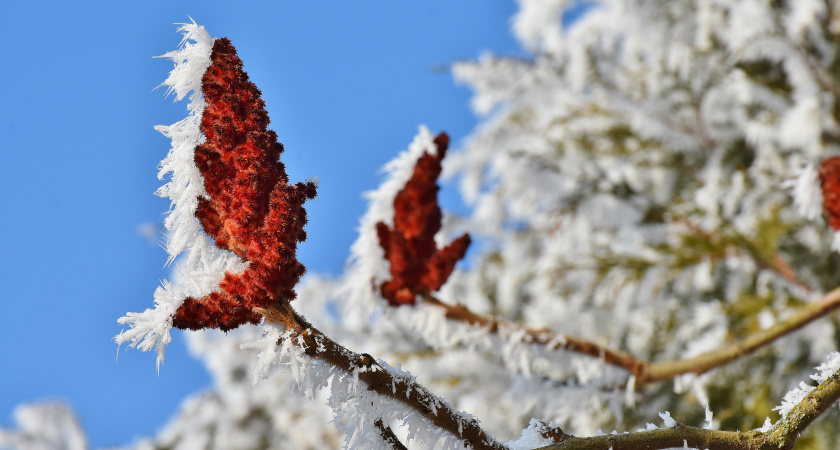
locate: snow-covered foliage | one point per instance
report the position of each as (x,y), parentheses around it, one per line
(48,425)
(646,179)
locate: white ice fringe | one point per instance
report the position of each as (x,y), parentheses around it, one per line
(204,265)
(356,408)
(532,437)
(807,194)
(795,395)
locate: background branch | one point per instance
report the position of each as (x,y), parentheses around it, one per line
(782,436)
(646,372)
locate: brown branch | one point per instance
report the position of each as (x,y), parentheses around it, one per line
(545,337)
(405,390)
(646,372)
(388,435)
(781,437)
(675,437)
(806,411)
(716,358)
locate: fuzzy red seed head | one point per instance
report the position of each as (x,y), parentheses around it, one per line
(417,265)
(830,184)
(251,208)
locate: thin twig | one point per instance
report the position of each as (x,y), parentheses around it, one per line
(545,337)
(388,435)
(647,372)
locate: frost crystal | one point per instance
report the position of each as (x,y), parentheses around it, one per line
(709,424)
(807,194)
(795,395)
(204,265)
(532,437)
(669,422)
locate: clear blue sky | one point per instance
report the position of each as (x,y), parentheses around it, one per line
(346,85)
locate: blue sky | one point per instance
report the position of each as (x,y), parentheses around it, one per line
(346,85)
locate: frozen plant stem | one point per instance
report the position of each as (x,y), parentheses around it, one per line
(389,436)
(646,372)
(378,379)
(417,397)
(717,358)
(782,436)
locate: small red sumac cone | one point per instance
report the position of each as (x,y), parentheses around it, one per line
(252,210)
(830,184)
(417,265)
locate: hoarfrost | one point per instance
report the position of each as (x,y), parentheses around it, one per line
(204,265)
(795,395)
(807,194)
(669,422)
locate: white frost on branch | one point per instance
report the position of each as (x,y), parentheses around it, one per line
(666,417)
(235,414)
(204,265)
(807,195)
(532,437)
(825,370)
(356,408)
(709,424)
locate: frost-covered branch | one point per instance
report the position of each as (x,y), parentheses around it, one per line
(550,339)
(677,436)
(379,379)
(782,435)
(717,358)
(388,435)
(643,371)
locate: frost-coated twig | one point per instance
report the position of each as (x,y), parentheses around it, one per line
(780,437)
(717,358)
(647,372)
(404,389)
(545,337)
(389,436)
